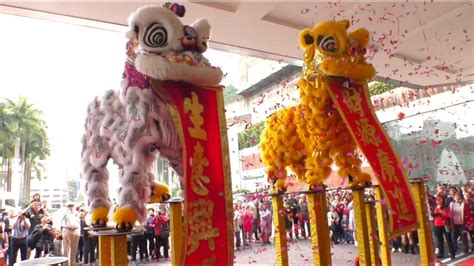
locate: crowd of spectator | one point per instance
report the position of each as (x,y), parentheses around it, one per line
(153,242)
(451,214)
(450,211)
(31,233)
(253,218)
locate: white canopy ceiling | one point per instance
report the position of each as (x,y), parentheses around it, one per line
(422,44)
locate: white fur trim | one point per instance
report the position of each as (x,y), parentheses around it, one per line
(160,68)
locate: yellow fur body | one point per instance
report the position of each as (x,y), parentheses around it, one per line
(125,218)
(99,217)
(160,192)
(309,137)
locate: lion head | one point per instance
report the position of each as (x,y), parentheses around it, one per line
(333,52)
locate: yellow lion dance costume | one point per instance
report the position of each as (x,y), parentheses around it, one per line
(310,136)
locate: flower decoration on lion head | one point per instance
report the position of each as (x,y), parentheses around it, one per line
(165,49)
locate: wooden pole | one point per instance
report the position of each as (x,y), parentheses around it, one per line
(424,228)
(112,247)
(177,231)
(105,257)
(119,250)
(281,244)
(382,222)
(372,228)
(362,232)
(317,207)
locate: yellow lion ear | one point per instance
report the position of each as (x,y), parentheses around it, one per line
(344,22)
(362,36)
(306,39)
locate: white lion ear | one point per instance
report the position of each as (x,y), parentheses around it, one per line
(130,34)
(202,27)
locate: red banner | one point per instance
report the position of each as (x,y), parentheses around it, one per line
(198,113)
(353,103)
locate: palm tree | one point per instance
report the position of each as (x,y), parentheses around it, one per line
(7,146)
(33,140)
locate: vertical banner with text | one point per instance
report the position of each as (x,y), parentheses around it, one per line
(198,114)
(353,103)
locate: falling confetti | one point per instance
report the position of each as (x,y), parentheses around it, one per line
(304,11)
(401,116)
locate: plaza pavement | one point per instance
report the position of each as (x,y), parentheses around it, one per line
(300,254)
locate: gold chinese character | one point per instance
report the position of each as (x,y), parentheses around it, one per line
(200,225)
(195,107)
(401,205)
(388,171)
(367,132)
(197,170)
(353,99)
(211,261)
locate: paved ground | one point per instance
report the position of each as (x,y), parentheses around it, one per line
(300,254)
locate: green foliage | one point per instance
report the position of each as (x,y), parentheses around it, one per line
(379,87)
(174,191)
(241,191)
(24,202)
(22,126)
(230,93)
(251,137)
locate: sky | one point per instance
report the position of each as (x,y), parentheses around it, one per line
(60,68)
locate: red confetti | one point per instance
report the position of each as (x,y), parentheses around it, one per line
(401,116)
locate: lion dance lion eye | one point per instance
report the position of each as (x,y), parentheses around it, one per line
(156,35)
(364,51)
(327,43)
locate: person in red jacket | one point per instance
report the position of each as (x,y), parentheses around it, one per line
(162,232)
(443,226)
(469,216)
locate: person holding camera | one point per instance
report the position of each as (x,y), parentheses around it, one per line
(42,237)
(19,233)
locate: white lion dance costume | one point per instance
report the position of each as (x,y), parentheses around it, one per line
(133,126)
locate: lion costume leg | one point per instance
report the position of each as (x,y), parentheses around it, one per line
(95,154)
(145,135)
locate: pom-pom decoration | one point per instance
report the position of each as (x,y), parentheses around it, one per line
(310,137)
(133,126)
